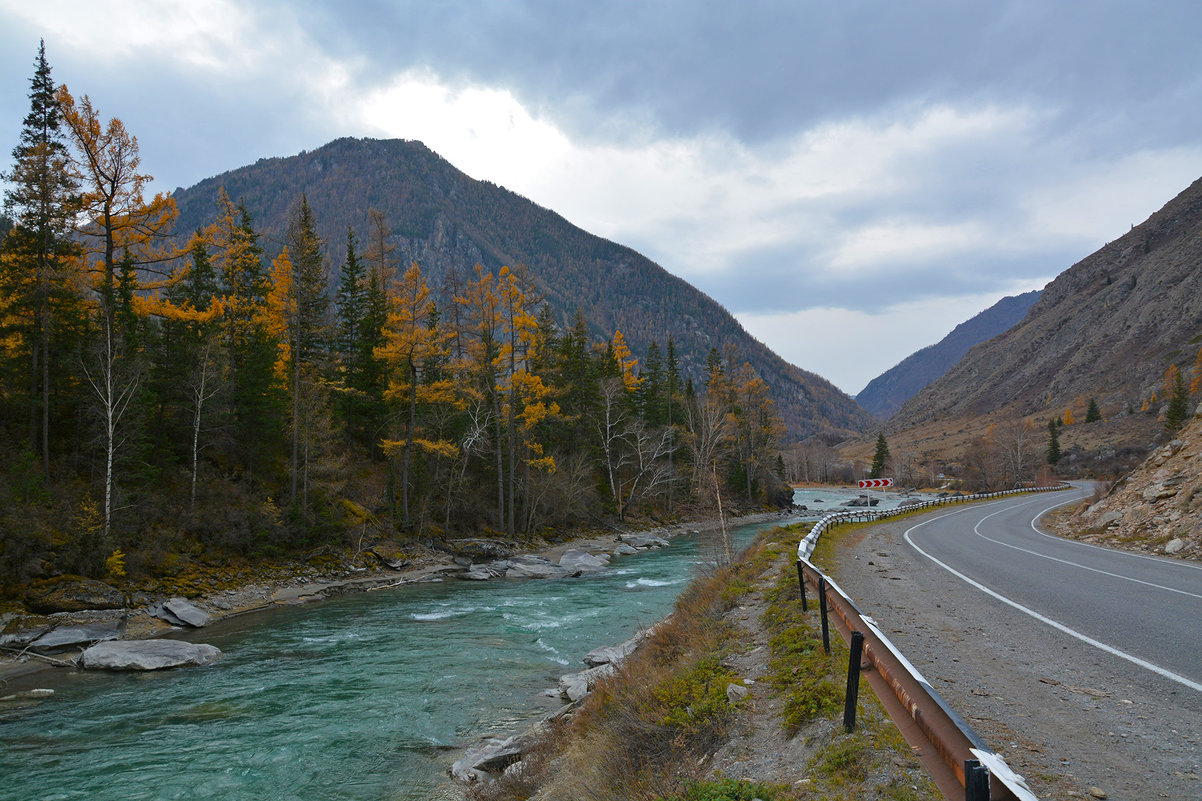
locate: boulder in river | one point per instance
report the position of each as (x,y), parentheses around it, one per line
(73,594)
(643,541)
(526,566)
(579,562)
(148,655)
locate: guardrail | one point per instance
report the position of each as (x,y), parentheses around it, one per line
(960,762)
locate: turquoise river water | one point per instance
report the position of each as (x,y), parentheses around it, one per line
(367,696)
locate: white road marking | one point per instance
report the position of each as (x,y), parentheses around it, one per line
(1135,660)
(977,530)
(1162,560)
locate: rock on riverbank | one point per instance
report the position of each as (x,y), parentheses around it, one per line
(148,655)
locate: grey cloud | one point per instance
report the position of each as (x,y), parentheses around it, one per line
(762,70)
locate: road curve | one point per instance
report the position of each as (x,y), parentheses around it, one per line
(1082,665)
(1084,591)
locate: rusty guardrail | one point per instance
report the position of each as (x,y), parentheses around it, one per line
(960,762)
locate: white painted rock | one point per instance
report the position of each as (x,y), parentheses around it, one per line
(148,655)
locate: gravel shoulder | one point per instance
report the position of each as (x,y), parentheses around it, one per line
(1048,704)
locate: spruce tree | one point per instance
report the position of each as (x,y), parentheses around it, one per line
(40,308)
(1053,442)
(350,303)
(1093,413)
(880,459)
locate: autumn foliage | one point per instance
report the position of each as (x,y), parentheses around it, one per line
(201,395)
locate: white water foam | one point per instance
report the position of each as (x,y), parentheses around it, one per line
(646,582)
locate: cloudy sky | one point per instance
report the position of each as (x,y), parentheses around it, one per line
(851,179)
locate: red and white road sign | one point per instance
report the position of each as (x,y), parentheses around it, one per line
(876,482)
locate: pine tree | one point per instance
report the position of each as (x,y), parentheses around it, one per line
(41,290)
(1093,413)
(1053,455)
(880,459)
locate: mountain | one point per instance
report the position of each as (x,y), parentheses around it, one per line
(1107,327)
(885,394)
(443,219)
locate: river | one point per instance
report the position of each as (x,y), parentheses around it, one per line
(367,696)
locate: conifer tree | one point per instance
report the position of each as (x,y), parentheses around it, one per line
(880,459)
(350,303)
(1053,455)
(1178,410)
(1093,413)
(413,348)
(301,301)
(251,347)
(41,290)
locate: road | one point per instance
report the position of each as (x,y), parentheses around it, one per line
(1081,665)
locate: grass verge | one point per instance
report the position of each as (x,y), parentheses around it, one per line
(646,734)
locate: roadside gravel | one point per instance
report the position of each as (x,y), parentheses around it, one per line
(1046,703)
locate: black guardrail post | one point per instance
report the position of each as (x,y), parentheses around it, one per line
(801,586)
(853,681)
(976,781)
(826,636)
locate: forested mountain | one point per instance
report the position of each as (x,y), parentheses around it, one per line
(1109,327)
(177,400)
(447,222)
(886,393)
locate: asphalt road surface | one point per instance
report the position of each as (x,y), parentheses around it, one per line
(1081,665)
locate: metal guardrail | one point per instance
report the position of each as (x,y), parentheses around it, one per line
(960,762)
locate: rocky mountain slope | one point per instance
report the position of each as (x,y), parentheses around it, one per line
(1108,327)
(443,219)
(886,393)
(1157,507)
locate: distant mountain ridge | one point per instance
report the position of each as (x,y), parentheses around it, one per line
(886,393)
(443,219)
(1107,327)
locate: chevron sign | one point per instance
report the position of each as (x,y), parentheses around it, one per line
(876,482)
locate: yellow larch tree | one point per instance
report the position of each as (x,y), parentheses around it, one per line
(413,345)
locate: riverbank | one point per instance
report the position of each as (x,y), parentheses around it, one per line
(301,585)
(730,697)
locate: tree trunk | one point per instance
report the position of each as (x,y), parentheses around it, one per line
(500,467)
(45,390)
(295,421)
(405,521)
